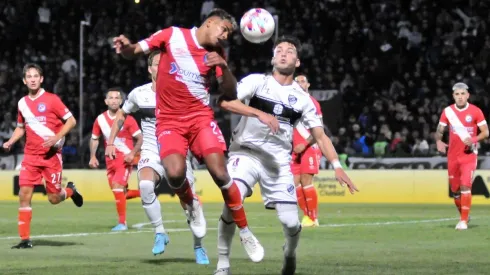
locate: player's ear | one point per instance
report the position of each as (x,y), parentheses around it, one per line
(272,61)
(24,80)
(41,79)
(149,71)
(297,63)
(308,85)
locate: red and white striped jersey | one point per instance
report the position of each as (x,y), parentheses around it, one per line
(124,139)
(183,78)
(42,117)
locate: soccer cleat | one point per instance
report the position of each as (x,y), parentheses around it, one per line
(120,227)
(289,266)
(252,246)
(195,218)
(307,222)
(462,225)
(23,244)
(76,197)
(201,256)
(161,240)
(222,271)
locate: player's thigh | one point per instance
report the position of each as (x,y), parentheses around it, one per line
(121,176)
(277,188)
(150,168)
(52,172)
(296,166)
(206,138)
(30,174)
(173,141)
(244,170)
(309,162)
(467,171)
(454,175)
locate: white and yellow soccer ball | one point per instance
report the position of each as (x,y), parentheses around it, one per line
(257,25)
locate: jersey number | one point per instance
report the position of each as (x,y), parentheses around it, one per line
(56,177)
(216,129)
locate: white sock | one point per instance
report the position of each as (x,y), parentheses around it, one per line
(151,205)
(226,230)
(288,215)
(197,242)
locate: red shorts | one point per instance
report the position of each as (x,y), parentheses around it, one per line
(201,135)
(118,171)
(460,172)
(306,163)
(36,167)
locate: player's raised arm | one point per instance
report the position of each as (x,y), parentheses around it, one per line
(129,50)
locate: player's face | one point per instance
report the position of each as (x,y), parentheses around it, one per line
(219,30)
(32,79)
(303,82)
(153,67)
(285,59)
(461,97)
(113,100)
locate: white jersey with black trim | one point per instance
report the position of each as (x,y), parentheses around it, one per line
(289,104)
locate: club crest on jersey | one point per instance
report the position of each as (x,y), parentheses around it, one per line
(41,107)
(291,189)
(468,118)
(292,99)
(278,109)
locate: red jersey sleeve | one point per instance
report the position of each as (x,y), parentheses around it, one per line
(156,41)
(133,127)
(96,131)
(480,118)
(20,119)
(443,120)
(60,108)
(317,106)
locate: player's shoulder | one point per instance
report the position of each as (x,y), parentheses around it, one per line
(473,107)
(143,89)
(254,78)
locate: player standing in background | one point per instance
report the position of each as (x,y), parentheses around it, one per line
(306,164)
(189,60)
(150,169)
(118,169)
(464,120)
(45,121)
(257,155)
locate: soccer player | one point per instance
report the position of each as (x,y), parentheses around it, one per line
(464,120)
(45,121)
(306,164)
(118,169)
(150,169)
(257,155)
(189,60)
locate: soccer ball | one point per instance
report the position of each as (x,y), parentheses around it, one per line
(257,25)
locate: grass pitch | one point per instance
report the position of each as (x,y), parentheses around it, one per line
(353,239)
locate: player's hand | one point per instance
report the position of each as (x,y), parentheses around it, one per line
(214,59)
(468,141)
(343,179)
(128,158)
(94,163)
(300,148)
(270,121)
(441,146)
(50,141)
(7,145)
(110,151)
(120,42)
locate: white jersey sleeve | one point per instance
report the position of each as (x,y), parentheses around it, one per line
(131,104)
(310,118)
(248,86)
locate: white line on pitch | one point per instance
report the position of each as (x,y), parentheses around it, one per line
(261,227)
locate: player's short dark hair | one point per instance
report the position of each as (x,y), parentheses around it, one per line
(223,15)
(152,55)
(32,66)
(291,40)
(115,89)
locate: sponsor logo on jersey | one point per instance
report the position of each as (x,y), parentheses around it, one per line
(278,109)
(185,75)
(468,118)
(292,99)
(41,107)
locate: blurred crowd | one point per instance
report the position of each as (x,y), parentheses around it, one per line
(393,62)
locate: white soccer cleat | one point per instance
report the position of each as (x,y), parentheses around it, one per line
(195,218)
(252,246)
(222,271)
(462,225)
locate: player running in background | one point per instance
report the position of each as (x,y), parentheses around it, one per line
(189,60)
(306,164)
(464,120)
(118,169)
(150,169)
(45,121)
(257,155)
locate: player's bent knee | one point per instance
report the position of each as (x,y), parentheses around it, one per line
(226,216)
(147,191)
(54,198)
(220,175)
(306,179)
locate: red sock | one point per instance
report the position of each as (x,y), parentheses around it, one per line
(301,199)
(465,205)
(24,223)
(233,200)
(120,204)
(68,193)
(457,202)
(185,193)
(131,194)
(311,199)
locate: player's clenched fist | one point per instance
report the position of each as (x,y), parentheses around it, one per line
(7,145)
(120,42)
(343,179)
(93,163)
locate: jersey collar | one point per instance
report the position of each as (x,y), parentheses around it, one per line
(463,109)
(41,92)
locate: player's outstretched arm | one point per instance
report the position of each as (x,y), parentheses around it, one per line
(328,150)
(18,134)
(237,107)
(127,49)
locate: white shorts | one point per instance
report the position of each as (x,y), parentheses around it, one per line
(275,187)
(152,160)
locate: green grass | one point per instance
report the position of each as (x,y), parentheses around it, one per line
(354,239)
